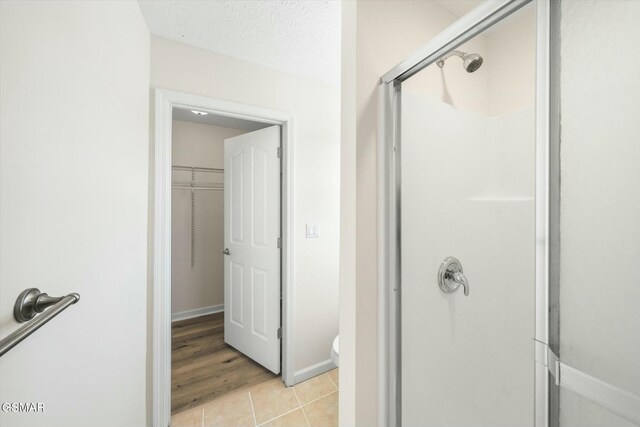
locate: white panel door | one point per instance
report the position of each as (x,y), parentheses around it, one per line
(251,232)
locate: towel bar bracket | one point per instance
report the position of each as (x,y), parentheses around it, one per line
(31,302)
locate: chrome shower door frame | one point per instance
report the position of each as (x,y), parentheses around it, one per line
(389,199)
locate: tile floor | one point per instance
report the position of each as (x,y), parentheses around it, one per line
(313,403)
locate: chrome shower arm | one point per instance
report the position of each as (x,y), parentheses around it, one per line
(461,54)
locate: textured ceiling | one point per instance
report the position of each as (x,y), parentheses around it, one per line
(297,36)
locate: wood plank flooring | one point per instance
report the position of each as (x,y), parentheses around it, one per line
(203,367)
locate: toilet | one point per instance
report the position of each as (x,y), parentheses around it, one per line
(335,355)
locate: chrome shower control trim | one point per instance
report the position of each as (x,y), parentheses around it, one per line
(451,276)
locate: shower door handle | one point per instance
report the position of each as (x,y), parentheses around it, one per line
(451,276)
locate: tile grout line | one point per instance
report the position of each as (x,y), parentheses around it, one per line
(299,403)
(297,399)
(305,416)
(253,411)
(303,412)
(331,379)
(279,416)
(286,413)
(300,406)
(321,397)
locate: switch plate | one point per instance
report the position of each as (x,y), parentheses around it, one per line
(313,231)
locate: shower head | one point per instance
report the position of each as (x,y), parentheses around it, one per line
(470,61)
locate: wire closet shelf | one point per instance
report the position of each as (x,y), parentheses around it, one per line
(194,186)
(197,185)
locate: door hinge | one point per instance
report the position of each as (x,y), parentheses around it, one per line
(280,333)
(279,152)
(279,243)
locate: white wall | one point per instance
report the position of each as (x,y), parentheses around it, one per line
(453,85)
(74,80)
(347,396)
(510,62)
(505,81)
(600,201)
(201,285)
(316,198)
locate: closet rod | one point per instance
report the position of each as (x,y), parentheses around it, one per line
(197,169)
(198,188)
(197,184)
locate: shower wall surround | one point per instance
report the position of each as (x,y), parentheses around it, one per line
(467,191)
(468,185)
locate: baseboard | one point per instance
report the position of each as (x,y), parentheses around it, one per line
(313,370)
(196,312)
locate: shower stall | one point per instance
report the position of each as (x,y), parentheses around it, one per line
(509,220)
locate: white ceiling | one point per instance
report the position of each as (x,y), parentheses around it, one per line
(297,36)
(212,119)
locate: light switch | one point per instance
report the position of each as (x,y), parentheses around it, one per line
(313,231)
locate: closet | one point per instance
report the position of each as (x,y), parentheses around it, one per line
(197,219)
(212,182)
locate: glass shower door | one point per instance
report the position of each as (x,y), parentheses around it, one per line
(468,181)
(598,304)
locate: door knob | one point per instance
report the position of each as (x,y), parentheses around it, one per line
(226,251)
(451,276)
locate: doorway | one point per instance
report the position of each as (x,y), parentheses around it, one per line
(246,321)
(225,304)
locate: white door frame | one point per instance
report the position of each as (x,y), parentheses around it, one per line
(389,196)
(165,101)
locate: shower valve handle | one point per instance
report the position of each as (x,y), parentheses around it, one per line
(461,279)
(451,276)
